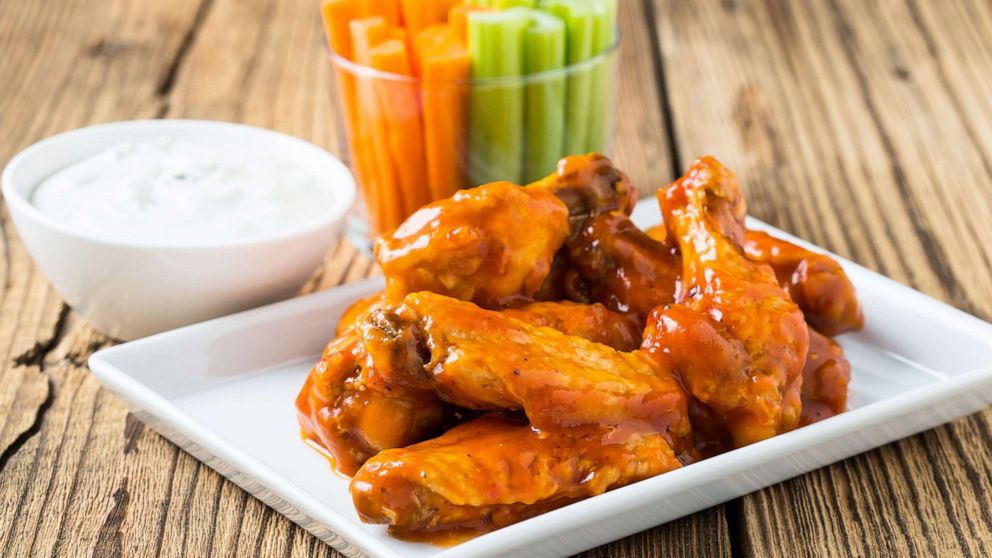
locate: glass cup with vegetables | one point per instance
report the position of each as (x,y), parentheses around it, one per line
(439,95)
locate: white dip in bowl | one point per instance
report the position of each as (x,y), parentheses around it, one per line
(149,225)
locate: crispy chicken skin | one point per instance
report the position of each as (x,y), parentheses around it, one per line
(816,282)
(736,338)
(495,470)
(622,267)
(481,359)
(588,321)
(351,316)
(492,245)
(826,376)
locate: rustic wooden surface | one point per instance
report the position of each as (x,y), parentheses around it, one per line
(862,126)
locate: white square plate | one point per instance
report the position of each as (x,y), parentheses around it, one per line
(224,390)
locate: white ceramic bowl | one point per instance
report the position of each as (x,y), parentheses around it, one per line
(130,288)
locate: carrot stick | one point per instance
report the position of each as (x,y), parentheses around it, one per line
(458,19)
(427,40)
(387,9)
(420,14)
(383,204)
(337,15)
(406,136)
(444,63)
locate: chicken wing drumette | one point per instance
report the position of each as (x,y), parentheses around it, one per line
(736,338)
(816,282)
(613,262)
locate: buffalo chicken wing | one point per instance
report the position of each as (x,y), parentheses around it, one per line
(619,265)
(485,360)
(736,337)
(495,244)
(816,282)
(495,470)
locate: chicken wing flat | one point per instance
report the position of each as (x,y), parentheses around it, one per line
(493,244)
(495,471)
(621,266)
(352,412)
(816,282)
(826,376)
(736,337)
(481,359)
(351,417)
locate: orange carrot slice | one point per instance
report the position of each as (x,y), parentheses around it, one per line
(401,106)
(337,15)
(387,9)
(382,204)
(420,14)
(444,63)
(458,19)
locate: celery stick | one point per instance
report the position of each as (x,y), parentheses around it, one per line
(578,18)
(604,33)
(544,108)
(495,43)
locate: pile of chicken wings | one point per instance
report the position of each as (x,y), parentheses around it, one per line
(533,347)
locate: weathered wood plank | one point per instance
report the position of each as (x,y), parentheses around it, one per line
(702,534)
(640,142)
(260,63)
(855,125)
(64,68)
(29,317)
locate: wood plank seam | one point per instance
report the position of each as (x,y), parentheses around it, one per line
(935,255)
(658,61)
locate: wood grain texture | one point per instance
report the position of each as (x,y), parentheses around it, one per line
(92,479)
(859,126)
(640,143)
(63,68)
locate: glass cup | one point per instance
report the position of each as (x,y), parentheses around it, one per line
(414,140)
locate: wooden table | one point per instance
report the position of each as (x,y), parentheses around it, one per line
(861,126)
